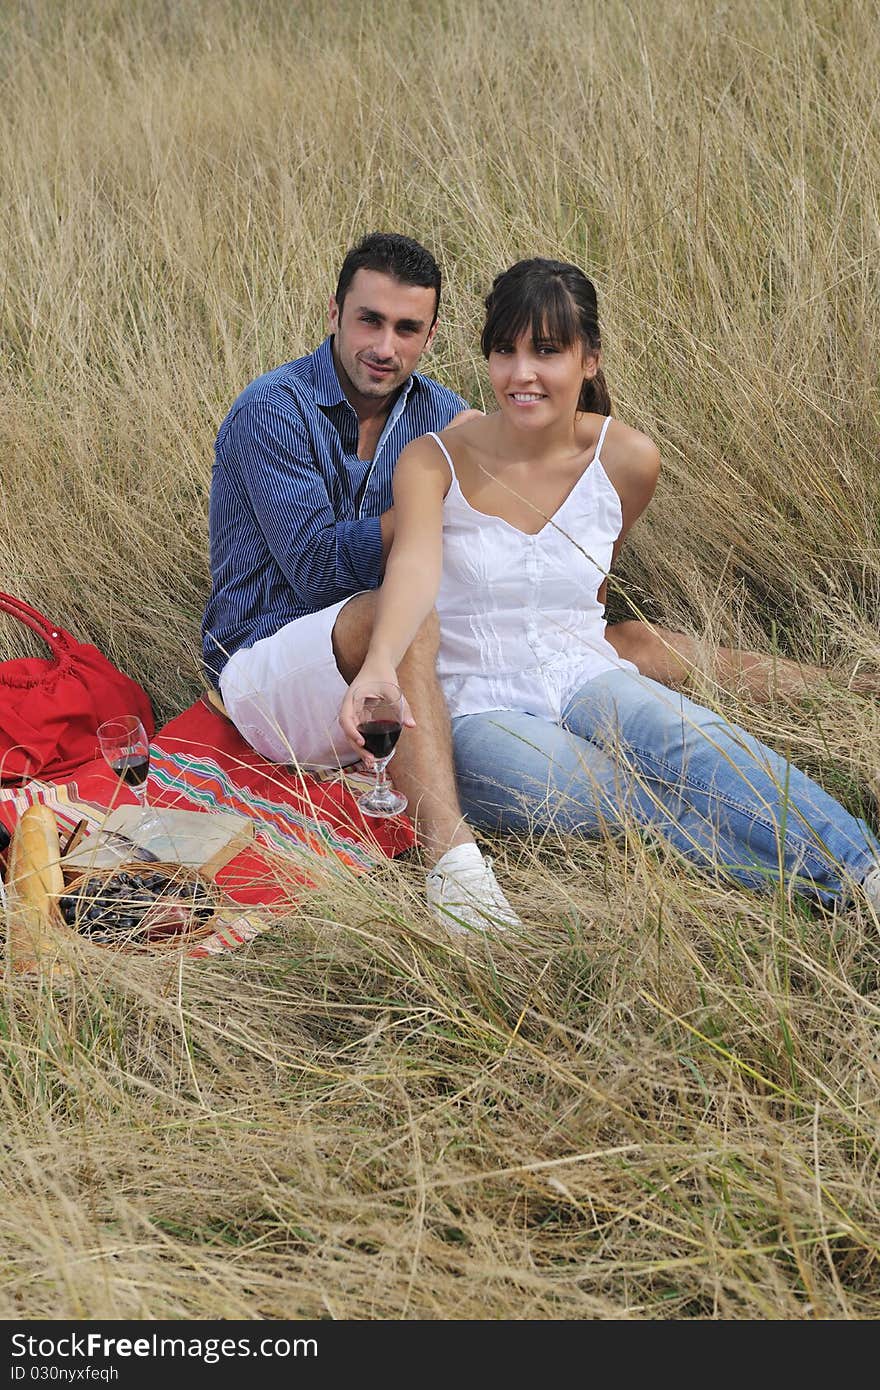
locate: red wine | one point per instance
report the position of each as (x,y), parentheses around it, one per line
(133,768)
(380,736)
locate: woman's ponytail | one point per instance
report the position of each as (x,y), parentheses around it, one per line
(595,396)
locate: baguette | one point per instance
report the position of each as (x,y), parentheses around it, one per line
(35,882)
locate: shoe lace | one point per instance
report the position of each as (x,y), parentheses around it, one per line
(477,880)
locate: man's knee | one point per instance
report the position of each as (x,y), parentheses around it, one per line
(352,632)
(354,628)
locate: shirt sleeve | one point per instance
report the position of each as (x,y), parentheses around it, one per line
(323,560)
(456,405)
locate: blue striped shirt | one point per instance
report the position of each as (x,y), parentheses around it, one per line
(294,513)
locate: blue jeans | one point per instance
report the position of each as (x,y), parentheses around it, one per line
(629,750)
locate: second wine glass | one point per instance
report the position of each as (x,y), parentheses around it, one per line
(378,713)
(126,749)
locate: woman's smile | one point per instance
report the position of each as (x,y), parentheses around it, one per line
(528,374)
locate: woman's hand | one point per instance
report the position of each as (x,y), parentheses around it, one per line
(368,675)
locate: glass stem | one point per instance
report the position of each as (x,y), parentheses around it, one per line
(380,775)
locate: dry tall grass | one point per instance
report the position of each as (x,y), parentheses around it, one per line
(660,1101)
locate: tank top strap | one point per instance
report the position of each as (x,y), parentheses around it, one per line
(445,452)
(601,440)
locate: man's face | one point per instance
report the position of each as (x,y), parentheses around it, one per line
(380,334)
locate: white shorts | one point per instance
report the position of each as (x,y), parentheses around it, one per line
(283,694)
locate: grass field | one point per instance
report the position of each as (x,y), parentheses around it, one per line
(659,1101)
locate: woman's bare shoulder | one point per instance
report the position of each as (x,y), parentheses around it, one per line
(422,460)
(630,452)
(470,431)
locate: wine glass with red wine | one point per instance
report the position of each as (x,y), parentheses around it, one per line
(378,713)
(126,749)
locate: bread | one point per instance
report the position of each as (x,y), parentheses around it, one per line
(35,883)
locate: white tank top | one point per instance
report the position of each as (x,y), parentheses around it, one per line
(521,626)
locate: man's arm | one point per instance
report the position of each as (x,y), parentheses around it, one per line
(323,559)
(386,526)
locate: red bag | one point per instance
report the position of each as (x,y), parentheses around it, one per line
(50,709)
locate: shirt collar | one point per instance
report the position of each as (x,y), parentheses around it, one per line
(327,389)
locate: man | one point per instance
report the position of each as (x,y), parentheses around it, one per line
(300,526)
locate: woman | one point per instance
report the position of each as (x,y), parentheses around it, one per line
(528,508)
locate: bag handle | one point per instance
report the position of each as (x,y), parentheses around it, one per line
(32,618)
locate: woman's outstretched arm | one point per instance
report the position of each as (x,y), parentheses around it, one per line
(412,572)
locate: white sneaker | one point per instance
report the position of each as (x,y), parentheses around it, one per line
(871,889)
(463,893)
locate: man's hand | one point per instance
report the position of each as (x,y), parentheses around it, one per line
(368,675)
(463,415)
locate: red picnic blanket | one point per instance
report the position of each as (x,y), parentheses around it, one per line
(199,761)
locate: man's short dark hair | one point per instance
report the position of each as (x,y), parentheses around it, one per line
(395,255)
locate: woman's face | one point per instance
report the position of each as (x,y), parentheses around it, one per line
(538,382)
